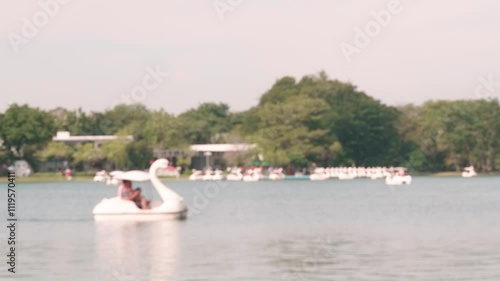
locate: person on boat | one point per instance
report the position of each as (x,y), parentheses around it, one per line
(68,174)
(126,192)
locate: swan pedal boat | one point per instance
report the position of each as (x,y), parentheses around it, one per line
(469,172)
(398,180)
(172,205)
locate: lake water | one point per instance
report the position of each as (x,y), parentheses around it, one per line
(438,229)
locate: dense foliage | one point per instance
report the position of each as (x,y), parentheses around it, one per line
(314,120)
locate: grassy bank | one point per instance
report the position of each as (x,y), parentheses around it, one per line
(86,177)
(446,174)
(459,174)
(77,177)
(53,177)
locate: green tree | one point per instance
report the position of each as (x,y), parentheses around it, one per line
(163,130)
(281,91)
(123,119)
(209,123)
(55,151)
(364,129)
(285,131)
(89,154)
(139,154)
(22,126)
(116,153)
(448,135)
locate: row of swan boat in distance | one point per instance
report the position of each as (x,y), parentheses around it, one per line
(392,175)
(236,174)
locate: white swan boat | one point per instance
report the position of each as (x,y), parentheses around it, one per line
(196,175)
(100,176)
(319,174)
(235,175)
(116,208)
(398,176)
(347,176)
(112,179)
(398,180)
(251,176)
(218,175)
(208,175)
(469,172)
(277,174)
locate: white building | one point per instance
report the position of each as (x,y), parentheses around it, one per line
(226,147)
(66,137)
(211,155)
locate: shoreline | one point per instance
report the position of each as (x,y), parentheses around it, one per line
(44,178)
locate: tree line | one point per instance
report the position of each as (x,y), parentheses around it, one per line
(296,123)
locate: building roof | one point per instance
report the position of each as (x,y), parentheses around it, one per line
(228,147)
(66,137)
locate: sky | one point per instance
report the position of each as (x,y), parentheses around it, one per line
(175,55)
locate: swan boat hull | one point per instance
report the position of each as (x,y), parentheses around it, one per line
(172,205)
(118,209)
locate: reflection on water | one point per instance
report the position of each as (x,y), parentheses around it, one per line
(364,257)
(436,230)
(137,250)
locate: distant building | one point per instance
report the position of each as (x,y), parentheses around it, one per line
(211,155)
(66,137)
(201,153)
(227,147)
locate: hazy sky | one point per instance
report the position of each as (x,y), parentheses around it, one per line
(94,54)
